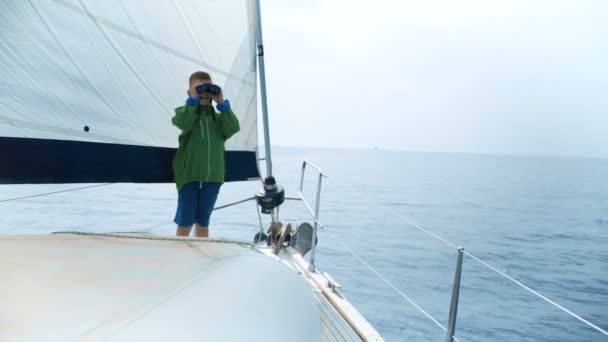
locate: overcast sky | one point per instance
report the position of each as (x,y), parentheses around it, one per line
(515,77)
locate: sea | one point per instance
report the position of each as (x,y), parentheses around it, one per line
(392,221)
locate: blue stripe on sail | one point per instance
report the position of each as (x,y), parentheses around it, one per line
(37,161)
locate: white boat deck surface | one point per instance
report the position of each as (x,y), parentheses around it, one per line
(68,287)
(91,287)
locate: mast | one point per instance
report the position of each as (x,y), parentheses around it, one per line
(260,48)
(271,195)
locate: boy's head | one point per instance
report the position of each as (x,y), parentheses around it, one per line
(196,79)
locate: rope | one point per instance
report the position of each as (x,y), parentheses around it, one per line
(387,282)
(54,192)
(380,276)
(424,230)
(233,203)
(538,294)
(141,230)
(156,238)
(517,282)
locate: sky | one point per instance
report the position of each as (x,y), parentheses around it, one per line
(506,77)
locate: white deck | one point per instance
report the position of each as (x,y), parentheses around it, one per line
(127,288)
(72,287)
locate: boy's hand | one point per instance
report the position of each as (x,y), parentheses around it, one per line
(218,98)
(196,101)
(193,101)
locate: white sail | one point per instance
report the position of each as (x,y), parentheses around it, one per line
(113,71)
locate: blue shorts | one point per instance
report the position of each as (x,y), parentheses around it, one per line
(195,202)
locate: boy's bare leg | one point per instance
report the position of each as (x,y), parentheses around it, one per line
(202,231)
(183,231)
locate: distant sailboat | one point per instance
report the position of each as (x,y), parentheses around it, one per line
(88,90)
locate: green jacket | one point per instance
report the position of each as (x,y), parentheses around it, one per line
(200,155)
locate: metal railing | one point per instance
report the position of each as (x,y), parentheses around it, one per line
(451,328)
(456,286)
(455,295)
(314,214)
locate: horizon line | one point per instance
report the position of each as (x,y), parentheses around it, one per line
(496,154)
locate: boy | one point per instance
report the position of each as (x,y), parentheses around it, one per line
(198,165)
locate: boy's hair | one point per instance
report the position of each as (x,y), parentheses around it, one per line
(200,76)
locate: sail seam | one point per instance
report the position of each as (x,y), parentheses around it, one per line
(111,25)
(73,62)
(254,126)
(54,192)
(126,61)
(191,32)
(147,46)
(119,85)
(20,64)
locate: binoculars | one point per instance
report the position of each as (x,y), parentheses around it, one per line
(208,88)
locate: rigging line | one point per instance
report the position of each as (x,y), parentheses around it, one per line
(538,294)
(386,281)
(410,222)
(141,230)
(126,61)
(422,229)
(165,223)
(233,203)
(156,238)
(54,192)
(527,288)
(191,32)
(572,314)
(80,71)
